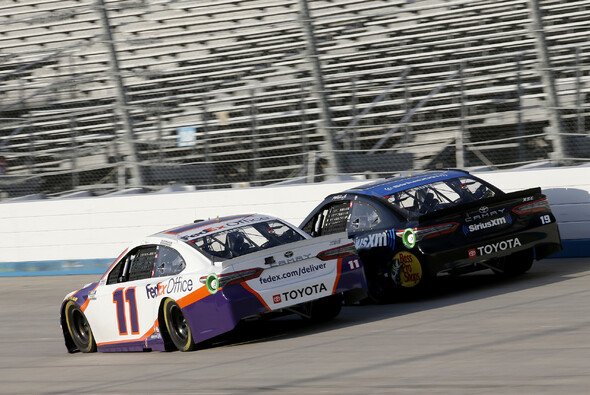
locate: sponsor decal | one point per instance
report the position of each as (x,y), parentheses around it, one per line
(382,239)
(300,293)
(335,242)
(494,247)
(407,270)
(288,254)
(293,259)
(491,223)
(176,284)
(166,243)
(92,295)
(339,197)
(484,213)
(416,181)
(293,273)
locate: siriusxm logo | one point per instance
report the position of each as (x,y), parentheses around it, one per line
(382,239)
(492,223)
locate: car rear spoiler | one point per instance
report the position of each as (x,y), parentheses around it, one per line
(535,193)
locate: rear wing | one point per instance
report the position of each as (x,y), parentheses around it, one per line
(534,193)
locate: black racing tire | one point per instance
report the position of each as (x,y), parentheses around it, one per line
(326,308)
(79,328)
(516,264)
(384,284)
(380,289)
(177,326)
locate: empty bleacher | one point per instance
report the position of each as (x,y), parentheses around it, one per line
(236,71)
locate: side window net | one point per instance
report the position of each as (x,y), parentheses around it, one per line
(336,218)
(143,264)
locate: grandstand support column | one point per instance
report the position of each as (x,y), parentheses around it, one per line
(74,152)
(459,143)
(122,108)
(520,127)
(579,95)
(254,128)
(205,119)
(555,125)
(325,126)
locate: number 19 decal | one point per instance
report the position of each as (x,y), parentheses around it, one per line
(119,302)
(545,219)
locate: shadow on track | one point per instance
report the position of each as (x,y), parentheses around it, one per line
(446,291)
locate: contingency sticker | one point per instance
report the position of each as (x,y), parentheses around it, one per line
(407,270)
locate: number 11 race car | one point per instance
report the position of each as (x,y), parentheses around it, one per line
(409,229)
(189,284)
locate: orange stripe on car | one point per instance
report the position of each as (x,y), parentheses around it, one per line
(193,297)
(338,273)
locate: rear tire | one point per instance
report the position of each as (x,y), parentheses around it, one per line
(326,309)
(386,281)
(177,326)
(79,328)
(516,264)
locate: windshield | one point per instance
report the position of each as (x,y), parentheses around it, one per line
(440,195)
(246,239)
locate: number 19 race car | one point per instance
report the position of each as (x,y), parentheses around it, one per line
(189,284)
(409,229)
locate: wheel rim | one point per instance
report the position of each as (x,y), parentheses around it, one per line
(81,327)
(179,324)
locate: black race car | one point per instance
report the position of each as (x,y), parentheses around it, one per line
(410,229)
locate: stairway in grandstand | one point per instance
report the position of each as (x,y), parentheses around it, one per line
(236,71)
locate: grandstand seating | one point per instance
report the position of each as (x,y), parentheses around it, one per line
(185,62)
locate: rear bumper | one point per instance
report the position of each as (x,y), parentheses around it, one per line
(545,240)
(221,312)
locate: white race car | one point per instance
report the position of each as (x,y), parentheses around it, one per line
(189,284)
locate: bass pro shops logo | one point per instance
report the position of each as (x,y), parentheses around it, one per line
(494,247)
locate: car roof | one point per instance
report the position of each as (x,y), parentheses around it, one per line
(395,184)
(201,228)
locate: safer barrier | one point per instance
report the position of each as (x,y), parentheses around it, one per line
(70,236)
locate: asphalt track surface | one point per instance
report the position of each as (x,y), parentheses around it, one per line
(471,335)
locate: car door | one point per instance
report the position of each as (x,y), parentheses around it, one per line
(123,309)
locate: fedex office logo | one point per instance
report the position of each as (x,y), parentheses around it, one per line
(176,284)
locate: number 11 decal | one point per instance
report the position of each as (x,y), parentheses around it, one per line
(119,302)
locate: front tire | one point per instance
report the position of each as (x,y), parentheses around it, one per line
(177,326)
(79,328)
